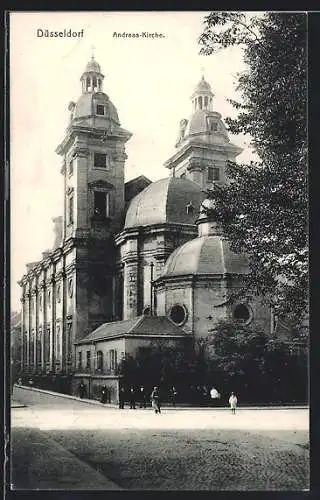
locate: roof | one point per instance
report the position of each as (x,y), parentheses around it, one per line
(205,255)
(142,325)
(85,106)
(203,86)
(135,186)
(200,123)
(165,201)
(93,66)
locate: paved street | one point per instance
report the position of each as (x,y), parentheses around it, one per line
(64,443)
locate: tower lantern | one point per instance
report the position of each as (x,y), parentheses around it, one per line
(92,77)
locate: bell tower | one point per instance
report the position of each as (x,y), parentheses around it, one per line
(93,158)
(203,146)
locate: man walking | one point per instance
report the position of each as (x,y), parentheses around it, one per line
(173,395)
(82,389)
(155,399)
(121,398)
(233,403)
(143,402)
(132,398)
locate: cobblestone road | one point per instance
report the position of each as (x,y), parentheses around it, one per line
(207,449)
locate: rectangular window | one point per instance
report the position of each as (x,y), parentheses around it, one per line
(79,360)
(47,346)
(69,341)
(100,109)
(70,218)
(88,363)
(100,160)
(58,343)
(213,174)
(113,359)
(100,203)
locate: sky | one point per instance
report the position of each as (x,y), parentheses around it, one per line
(150,81)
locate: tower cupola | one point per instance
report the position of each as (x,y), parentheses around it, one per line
(92,78)
(202,96)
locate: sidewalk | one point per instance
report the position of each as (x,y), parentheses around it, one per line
(166,406)
(39,462)
(16,404)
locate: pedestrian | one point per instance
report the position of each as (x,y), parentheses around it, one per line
(82,389)
(214,395)
(121,398)
(104,394)
(173,395)
(205,395)
(142,397)
(132,398)
(155,399)
(233,401)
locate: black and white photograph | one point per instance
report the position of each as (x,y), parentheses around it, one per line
(159,309)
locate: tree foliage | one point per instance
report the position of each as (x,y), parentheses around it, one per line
(159,364)
(265,208)
(247,361)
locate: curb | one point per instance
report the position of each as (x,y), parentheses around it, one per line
(180,408)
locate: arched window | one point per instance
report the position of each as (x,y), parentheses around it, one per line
(200,102)
(242,313)
(99,360)
(178,314)
(88,83)
(146,311)
(205,101)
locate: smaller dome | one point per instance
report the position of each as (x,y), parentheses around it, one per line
(203,86)
(205,255)
(93,66)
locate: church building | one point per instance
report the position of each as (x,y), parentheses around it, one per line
(132,262)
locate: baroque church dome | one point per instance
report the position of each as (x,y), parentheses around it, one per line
(93,102)
(204,124)
(170,200)
(86,104)
(206,255)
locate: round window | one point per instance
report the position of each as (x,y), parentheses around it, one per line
(242,313)
(178,314)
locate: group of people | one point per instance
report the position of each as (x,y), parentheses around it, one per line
(142,397)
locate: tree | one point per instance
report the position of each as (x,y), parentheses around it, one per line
(265,210)
(246,361)
(159,364)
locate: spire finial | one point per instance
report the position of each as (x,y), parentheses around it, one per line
(202,71)
(92,52)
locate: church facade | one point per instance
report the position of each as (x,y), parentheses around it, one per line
(131,262)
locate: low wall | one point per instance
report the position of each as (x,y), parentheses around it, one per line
(94,384)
